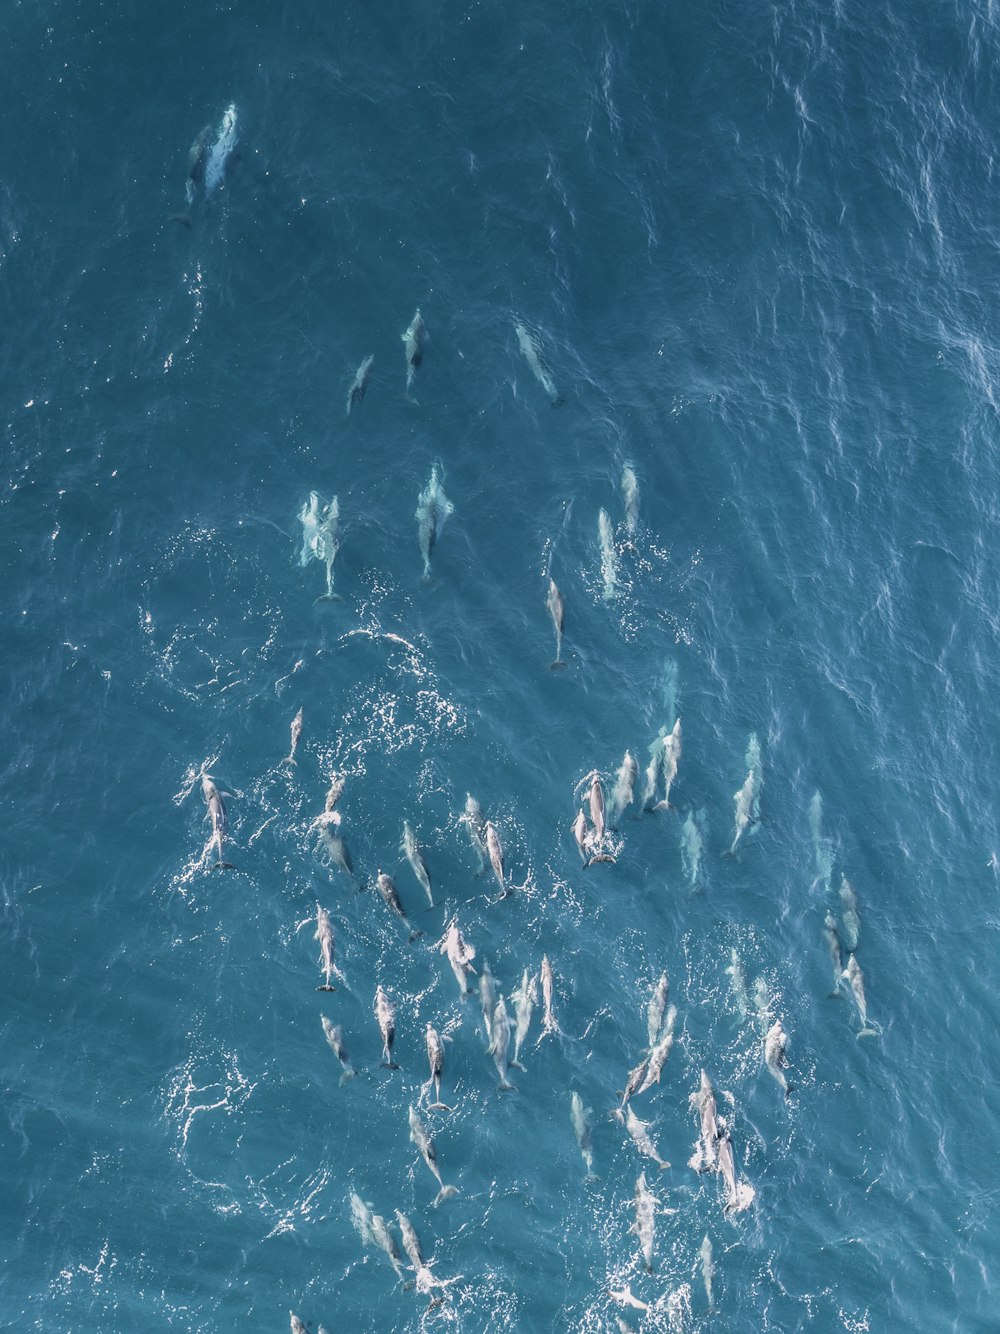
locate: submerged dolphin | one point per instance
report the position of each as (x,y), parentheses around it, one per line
(556,606)
(359,384)
(433,511)
(413,346)
(529,349)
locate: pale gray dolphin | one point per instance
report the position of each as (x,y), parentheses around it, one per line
(413,346)
(425,1145)
(296,736)
(385,1013)
(630,495)
(415,857)
(556,606)
(220,821)
(529,350)
(335,1037)
(433,511)
(583,1129)
(359,384)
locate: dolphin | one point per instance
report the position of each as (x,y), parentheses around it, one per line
(387,890)
(425,1280)
(644,1226)
(425,1145)
(739,984)
(220,821)
(496,854)
(472,818)
(670,760)
(362,1219)
(556,607)
(487,1000)
(581,836)
(333,844)
(221,150)
(597,806)
(435,1059)
(658,1056)
(739,1195)
(324,934)
(691,846)
(549,1022)
(763,1002)
(707,1268)
(459,954)
(624,792)
(630,495)
(609,557)
(633,1080)
(413,341)
(385,1013)
(386,1242)
(197,155)
(415,857)
(433,511)
(855,979)
(775,1043)
(500,1044)
(529,349)
(656,1008)
(321,537)
(582,1128)
(525,999)
(850,918)
(335,1038)
(334,793)
(639,1131)
(748,797)
(359,384)
(652,774)
(296,734)
(703,1102)
(833,947)
(297,1326)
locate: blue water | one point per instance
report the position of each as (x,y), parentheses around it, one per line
(757,246)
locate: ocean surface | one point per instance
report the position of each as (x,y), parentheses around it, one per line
(756,250)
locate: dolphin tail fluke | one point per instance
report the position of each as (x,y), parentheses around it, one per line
(414,935)
(182,219)
(389,1065)
(348,1074)
(223,866)
(868,1032)
(507,1087)
(516,1065)
(328,597)
(835,995)
(326,987)
(555,666)
(663,1166)
(445,1193)
(439,1107)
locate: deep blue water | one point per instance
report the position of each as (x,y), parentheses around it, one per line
(757,246)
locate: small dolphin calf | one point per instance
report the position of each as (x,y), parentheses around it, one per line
(529,350)
(496,854)
(582,1128)
(413,346)
(582,836)
(433,511)
(850,918)
(335,1038)
(415,857)
(656,1009)
(425,1145)
(385,1013)
(220,821)
(748,797)
(473,819)
(359,384)
(487,1000)
(556,606)
(549,1022)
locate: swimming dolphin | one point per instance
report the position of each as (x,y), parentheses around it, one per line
(703,1102)
(433,511)
(335,1038)
(500,1044)
(624,792)
(856,981)
(221,150)
(525,999)
(435,1059)
(387,891)
(630,495)
(644,1226)
(425,1145)
(359,384)
(324,934)
(850,918)
(557,608)
(707,1268)
(639,1132)
(691,846)
(739,1195)
(413,345)
(582,836)
(334,792)
(296,735)
(459,954)
(609,556)
(670,758)
(656,1009)
(386,1242)
(582,1128)
(333,844)
(487,1000)
(549,1022)
(633,1080)
(748,797)
(297,1326)
(385,1013)
(658,1056)
(220,821)
(529,349)
(473,819)
(833,947)
(739,984)
(415,857)
(320,537)
(496,854)
(425,1280)
(774,1055)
